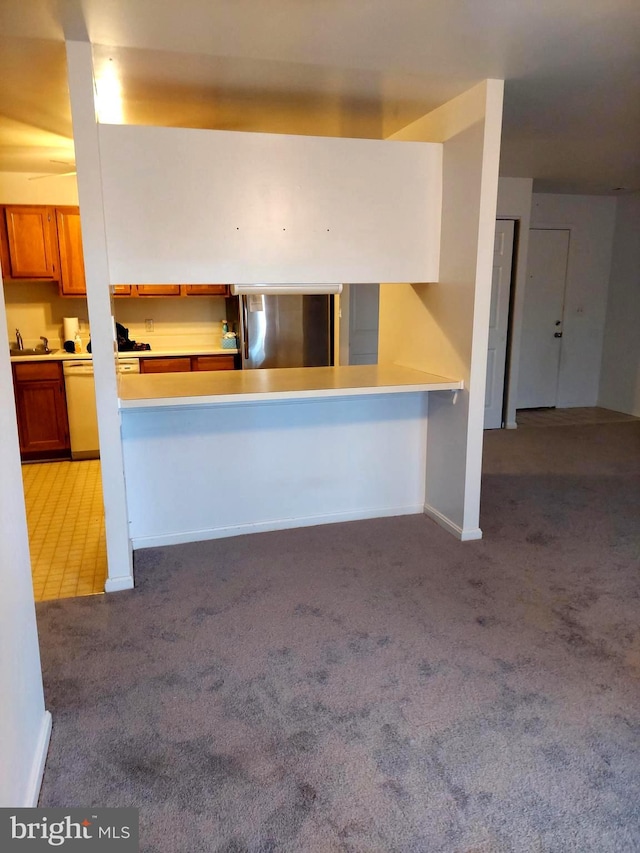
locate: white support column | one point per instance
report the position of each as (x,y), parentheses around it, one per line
(445,324)
(85,132)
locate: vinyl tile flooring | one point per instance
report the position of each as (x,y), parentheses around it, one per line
(65,517)
(569,417)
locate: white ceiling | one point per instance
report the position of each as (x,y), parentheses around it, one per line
(339,67)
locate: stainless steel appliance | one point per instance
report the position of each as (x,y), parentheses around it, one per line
(81,404)
(292,330)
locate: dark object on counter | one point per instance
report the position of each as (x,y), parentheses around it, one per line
(125,344)
(69,346)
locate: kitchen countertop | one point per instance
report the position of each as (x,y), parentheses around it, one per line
(158,390)
(62,355)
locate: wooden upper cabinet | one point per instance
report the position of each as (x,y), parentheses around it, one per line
(158,289)
(122,290)
(207,289)
(31,243)
(72,278)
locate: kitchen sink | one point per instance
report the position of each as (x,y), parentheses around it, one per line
(28,351)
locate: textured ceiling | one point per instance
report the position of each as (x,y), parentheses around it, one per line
(339,67)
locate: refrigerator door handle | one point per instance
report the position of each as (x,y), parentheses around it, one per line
(245,323)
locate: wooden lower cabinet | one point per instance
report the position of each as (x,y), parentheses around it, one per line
(212,362)
(41,408)
(185,364)
(165,365)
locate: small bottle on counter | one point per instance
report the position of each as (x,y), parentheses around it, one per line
(225,327)
(77,344)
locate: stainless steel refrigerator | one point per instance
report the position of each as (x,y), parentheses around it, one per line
(292,330)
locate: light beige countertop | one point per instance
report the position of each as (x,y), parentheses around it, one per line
(62,355)
(158,390)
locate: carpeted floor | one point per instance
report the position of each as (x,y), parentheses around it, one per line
(375,687)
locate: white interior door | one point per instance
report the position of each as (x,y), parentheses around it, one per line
(541,341)
(498,323)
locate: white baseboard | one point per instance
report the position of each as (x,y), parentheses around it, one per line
(118,584)
(511,425)
(265,526)
(463,535)
(37,770)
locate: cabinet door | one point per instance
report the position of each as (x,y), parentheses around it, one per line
(177,364)
(207,289)
(122,290)
(72,280)
(41,407)
(30,241)
(212,362)
(158,289)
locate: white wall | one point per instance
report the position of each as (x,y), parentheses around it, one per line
(24,723)
(591,221)
(620,375)
(342,459)
(514,202)
(268,208)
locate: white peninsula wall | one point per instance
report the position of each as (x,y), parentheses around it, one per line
(420,207)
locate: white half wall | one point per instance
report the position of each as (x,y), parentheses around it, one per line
(206,472)
(514,202)
(197,206)
(443,327)
(591,220)
(620,375)
(24,724)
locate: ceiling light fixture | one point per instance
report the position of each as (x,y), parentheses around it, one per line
(108,96)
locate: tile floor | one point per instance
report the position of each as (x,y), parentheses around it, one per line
(65,517)
(569,417)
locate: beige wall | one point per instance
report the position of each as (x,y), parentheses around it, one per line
(620,376)
(29,188)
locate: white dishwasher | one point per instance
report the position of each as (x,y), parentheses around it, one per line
(81,404)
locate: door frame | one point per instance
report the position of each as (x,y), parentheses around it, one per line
(505,382)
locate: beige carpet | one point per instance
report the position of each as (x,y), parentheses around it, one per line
(375,687)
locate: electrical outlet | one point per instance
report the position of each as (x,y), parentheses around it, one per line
(148,325)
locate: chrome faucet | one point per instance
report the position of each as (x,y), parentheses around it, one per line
(45,343)
(19,341)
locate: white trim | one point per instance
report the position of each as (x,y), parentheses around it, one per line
(451,527)
(183,537)
(32,793)
(118,584)
(511,425)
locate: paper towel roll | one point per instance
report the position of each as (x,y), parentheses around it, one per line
(70,325)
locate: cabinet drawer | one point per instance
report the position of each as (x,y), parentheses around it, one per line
(212,362)
(36,370)
(165,365)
